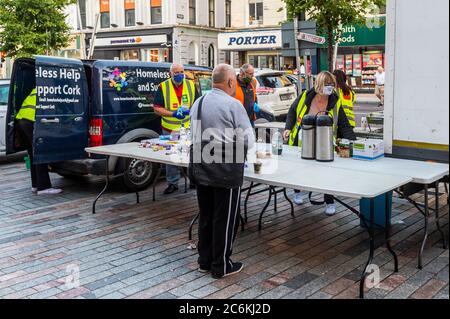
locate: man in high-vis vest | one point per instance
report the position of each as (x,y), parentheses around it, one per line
(25,118)
(173,101)
(246,91)
(322,98)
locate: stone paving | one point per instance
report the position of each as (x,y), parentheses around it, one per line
(53,247)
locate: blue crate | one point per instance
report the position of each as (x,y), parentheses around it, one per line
(380,210)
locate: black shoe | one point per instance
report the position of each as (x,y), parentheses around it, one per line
(236,268)
(192,186)
(171,189)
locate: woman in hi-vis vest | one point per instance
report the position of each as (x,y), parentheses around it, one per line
(347,96)
(322,98)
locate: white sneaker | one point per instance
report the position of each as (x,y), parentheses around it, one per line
(50,191)
(298,199)
(330,210)
(34,190)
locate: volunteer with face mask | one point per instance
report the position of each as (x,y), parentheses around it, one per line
(246,91)
(322,98)
(173,101)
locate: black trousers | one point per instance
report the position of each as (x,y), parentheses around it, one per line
(40,178)
(218,225)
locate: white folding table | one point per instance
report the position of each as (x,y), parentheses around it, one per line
(291,174)
(424,173)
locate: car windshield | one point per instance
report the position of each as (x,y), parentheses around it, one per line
(274,81)
(4,90)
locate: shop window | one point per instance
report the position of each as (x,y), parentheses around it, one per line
(228,13)
(105,21)
(212,13)
(193,12)
(130,13)
(211,56)
(154,55)
(256,10)
(156,11)
(131,55)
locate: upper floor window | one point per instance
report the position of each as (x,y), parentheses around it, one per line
(156,11)
(130,13)
(228,13)
(105,19)
(256,10)
(193,12)
(212,13)
(82,5)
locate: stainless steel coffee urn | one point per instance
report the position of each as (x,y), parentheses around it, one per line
(309,137)
(324,138)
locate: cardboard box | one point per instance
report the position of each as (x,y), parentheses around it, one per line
(368,149)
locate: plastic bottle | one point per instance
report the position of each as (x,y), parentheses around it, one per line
(183,140)
(277,143)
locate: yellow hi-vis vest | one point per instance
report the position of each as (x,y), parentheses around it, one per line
(28,109)
(172,104)
(301,112)
(347,103)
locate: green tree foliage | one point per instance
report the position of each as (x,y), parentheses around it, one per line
(29,27)
(330,15)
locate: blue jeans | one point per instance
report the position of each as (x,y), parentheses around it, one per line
(172,172)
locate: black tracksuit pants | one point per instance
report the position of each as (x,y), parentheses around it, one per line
(218,225)
(40,178)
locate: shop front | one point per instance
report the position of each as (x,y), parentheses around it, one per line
(261,48)
(133,47)
(361,51)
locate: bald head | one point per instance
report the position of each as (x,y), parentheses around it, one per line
(224,79)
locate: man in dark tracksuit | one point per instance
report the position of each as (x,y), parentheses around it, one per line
(219,205)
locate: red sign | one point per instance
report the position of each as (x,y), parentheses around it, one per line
(372,60)
(311,38)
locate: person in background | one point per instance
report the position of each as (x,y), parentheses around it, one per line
(40,178)
(246,91)
(173,101)
(219,203)
(380,77)
(322,98)
(347,96)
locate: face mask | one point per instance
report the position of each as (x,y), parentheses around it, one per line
(328,90)
(247,80)
(178,78)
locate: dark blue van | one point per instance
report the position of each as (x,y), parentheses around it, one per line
(91,103)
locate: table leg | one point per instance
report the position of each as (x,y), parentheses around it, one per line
(246,201)
(192,225)
(388,232)
(372,248)
(275,202)
(265,208)
(290,202)
(438,223)
(425,237)
(105,188)
(158,173)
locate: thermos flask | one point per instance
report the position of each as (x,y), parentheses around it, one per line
(308,126)
(324,139)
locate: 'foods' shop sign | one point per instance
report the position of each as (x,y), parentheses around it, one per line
(250,40)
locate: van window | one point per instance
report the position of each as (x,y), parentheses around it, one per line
(274,81)
(4,91)
(205,82)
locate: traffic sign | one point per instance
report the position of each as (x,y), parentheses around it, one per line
(311,38)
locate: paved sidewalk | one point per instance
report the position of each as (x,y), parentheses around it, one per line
(141,251)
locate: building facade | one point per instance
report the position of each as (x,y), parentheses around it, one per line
(182,31)
(254,33)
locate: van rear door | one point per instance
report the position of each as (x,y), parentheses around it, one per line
(61,128)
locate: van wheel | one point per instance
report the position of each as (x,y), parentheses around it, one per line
(138,174)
